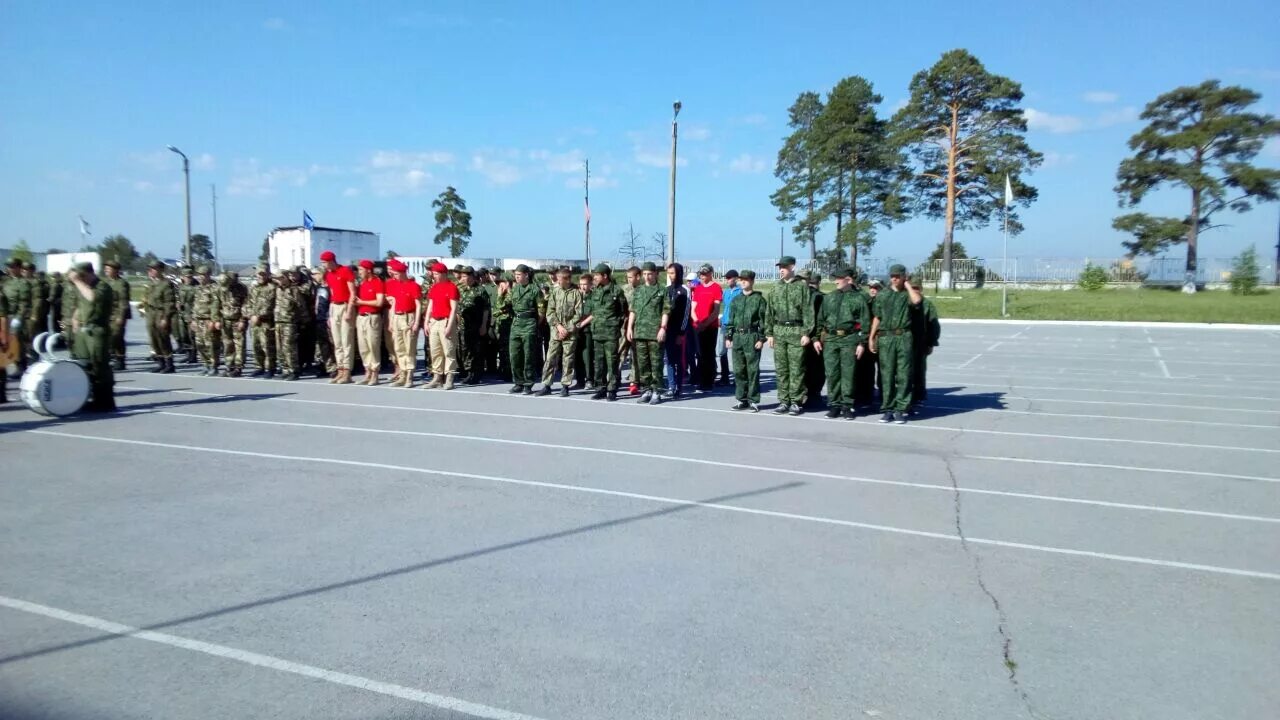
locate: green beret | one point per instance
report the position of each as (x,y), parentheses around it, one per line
(112,264)
(649,267)
(28,266)
(897,269)
(786,261)
(466,270)
(748,275)
(875,284)
(603,269)
(202,270)
(187,271)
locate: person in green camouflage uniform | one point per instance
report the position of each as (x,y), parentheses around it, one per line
(584,368)
(288,308)
(187,290)
(925,330)
(262,320)
(745,337)
(815,372)
(233,296)
(893,343)
(39,300)
(159,306)
(18,292)
(609,313)
(564,312)
(626,348)
(4,341)
(205,311)
(56,288)
(843,326)
(790,328)
(646,331)
(95,310)
(307,327)
(527,307)
(120,311)
(70,296)
(473,314)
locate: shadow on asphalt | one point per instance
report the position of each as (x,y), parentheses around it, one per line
(409,569)
(45,423)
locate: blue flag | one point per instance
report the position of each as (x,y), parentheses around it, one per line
(307,222)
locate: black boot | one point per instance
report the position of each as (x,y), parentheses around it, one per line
(118,365)
(169,369)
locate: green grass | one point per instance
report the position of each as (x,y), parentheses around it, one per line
(1153,305)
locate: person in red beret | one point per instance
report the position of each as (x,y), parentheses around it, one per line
(342,288)
(442,327)
(370,297)
(405,317)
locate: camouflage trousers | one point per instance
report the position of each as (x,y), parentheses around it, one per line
(324,347)
(233,339)
(287,345)
(788,363)
(647,368)
(560,355)
(208,342)
(896,357)
(839,358)
(264,345)
(158,332)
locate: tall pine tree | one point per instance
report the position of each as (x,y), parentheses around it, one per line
(800,169)
(452,221)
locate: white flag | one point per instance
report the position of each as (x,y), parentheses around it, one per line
(84,227)
(1008,192)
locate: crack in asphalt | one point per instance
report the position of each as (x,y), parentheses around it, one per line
(1002,619)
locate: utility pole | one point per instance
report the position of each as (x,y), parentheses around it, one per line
(217,263)
(586,206)
(186,174)
(781,250)
(671,206)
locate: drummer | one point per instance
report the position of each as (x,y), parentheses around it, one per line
(91,321)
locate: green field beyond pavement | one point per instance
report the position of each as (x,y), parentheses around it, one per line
(1151,305)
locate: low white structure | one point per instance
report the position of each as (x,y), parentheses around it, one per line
(62,262)
(418,263)
(296,245)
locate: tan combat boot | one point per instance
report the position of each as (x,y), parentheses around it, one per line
(344,377)
(448,383)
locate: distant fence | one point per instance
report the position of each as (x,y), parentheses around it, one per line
(1053,270)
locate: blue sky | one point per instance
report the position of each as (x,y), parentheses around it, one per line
(362,112)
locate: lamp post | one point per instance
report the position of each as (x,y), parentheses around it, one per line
(671,204)
(186,174)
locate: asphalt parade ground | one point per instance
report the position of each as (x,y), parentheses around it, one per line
(1083,523)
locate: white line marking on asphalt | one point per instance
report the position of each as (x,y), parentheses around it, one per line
(1160,359)
(1100,417)
(732,465)
(1147,332)
(1116,391)
(688,503)
(1126,468)
(421,697)
(993,347)
(1205,408)
(970,360)
(1019,333)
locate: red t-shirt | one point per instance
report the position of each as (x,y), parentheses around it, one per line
(403,295)
(370,290)
(440,294)
(337,280)
(704,299)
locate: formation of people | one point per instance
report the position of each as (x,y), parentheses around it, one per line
(669,334)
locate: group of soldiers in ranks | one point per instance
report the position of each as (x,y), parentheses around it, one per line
(523,329)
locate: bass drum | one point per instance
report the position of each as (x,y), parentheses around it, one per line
(58,388)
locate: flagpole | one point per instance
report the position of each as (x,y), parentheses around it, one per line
(1004,268)
(586,205)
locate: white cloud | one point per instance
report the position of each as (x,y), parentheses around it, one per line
(1053,159)
(1057,124)
(1100,97)
(399,182)
(143,186)
(249,178)
(753,119)
(399,172)
(496,171)
(1123,115)
(597,181)
(695,133)
(351,192)
(383,159)
(746,163)
(565,162)
(204,161)
(274,23)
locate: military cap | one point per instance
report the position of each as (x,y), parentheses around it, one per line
(202,270)
(875,284)
(263,269)
(14,262)
(28,266)
(748,275)
(815,277)
(897,269)
(156,265)
(56,275)
(112,264)
(524,268)
(495,270)
(466,270)
(317,270)
(603,269)
(187,271)
(633,269)
(706,269)
(843,273)
(649,267)
(731,274)
(83,267)
(804,274)
(786,261)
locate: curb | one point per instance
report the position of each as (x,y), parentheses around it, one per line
(1116,323)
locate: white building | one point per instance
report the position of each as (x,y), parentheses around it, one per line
(293,246)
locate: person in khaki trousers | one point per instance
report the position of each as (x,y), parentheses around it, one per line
(370,297)
(342,313)
(405,315)
(442,327)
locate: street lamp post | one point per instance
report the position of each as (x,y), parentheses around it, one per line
(671,204)
(186,174)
